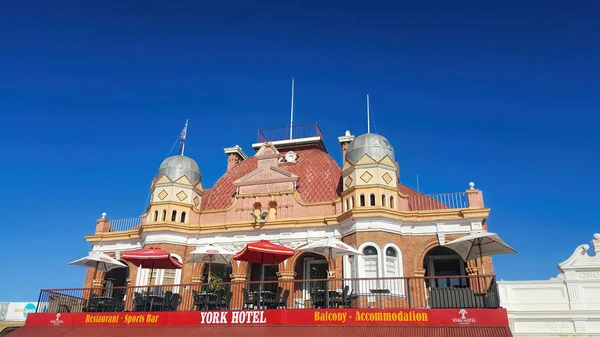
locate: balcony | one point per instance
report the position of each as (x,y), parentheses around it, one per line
(287,133)
(428,202)
(376,293)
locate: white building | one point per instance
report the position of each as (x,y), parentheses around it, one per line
(567,305)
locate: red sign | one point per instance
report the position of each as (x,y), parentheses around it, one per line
(475,317)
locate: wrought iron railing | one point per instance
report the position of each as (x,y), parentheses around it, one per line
(423,202)
(478,291)
(124,224)
(295,132)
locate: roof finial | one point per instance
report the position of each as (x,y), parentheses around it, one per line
(368,115)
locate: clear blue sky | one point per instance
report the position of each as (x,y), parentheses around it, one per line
(93,94)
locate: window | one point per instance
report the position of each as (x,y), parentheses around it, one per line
(164,215)
(392,205)
(160,277)
(391,262)
(155,215)
(183,216)
(174,216)
(346,205)
(370,257)
(362,200)
(383,200)
(372,197)
(352,202)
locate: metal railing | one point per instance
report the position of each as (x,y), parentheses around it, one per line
(423,202)
(410,292)
(297,131)
(124,224)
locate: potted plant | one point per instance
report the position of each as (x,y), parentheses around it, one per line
(213,284)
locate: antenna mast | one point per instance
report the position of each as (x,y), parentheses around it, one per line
(368,115)
(292,110)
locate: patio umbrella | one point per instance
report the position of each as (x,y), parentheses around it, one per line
(99,261)
(152,258)
(330,247)
(478,245)
(211,254)
(264,252)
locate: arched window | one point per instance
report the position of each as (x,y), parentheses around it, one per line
(370,258)
(392,205)
(164,215)
(362,200)
(391,262)
(392,267)
(372,197)
(155,215)
(183,217)
(383,200)
(174,216)
(352,202)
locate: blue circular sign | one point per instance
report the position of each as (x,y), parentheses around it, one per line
(29,307)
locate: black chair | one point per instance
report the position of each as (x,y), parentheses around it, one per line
(344,299)
(272,303)
(174,303)
(138,302)
(198,300)
(284,299)
(226,302)
(249,301)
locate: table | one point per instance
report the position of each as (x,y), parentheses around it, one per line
(104,303)
(380,292)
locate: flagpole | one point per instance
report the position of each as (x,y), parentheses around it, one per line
(292,111)
(184,136)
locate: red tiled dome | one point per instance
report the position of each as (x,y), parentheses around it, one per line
(318,178)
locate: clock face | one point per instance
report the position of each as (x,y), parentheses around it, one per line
(290,157)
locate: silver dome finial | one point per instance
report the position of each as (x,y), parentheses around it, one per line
(471,185)
(103,215)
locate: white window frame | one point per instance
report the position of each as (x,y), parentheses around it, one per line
(364,285)
(144,273)
(396,287)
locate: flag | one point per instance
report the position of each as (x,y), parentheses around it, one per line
(182,138)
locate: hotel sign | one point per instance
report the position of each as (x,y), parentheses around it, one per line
(474,317)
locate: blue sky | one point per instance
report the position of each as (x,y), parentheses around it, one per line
(93,95)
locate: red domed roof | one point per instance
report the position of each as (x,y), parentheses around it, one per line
(318,178)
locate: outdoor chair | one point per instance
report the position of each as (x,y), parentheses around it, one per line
(174,302)
(249,301)
(284,299)
(226,301)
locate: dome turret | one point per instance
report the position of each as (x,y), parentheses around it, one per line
(178,166)
(374,145)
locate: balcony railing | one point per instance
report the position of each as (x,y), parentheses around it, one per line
(297,131)
(425,202)
(411,292)
(124,224)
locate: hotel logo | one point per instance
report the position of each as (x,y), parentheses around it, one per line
(463,318)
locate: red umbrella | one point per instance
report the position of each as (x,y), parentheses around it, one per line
(152,258)
(264,252)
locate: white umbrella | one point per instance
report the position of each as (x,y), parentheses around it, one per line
(330,247)
(99,261)
(211,254)
(476,246)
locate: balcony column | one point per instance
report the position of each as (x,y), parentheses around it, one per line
(418,291)
(238,282)
(286,282)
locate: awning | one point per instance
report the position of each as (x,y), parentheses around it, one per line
(265,331)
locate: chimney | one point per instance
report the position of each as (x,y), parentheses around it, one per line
(344,140)
(234,156)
